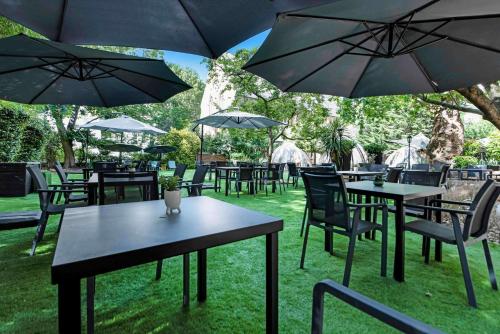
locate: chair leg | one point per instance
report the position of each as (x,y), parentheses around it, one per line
(427,249)
(159,266)
(424,241)
(60,222)
(383,261)
(304,246)
(465,270)
(303,221)
(40,230)
(489,263)
(90,304)
(348,264)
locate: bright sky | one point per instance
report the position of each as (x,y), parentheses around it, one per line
(195,62)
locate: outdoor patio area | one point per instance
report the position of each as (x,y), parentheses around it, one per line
(237,166)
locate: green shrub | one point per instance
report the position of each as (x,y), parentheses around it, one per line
(464,161)
(493,148)
(11,124)
(30,143)
(375,148)
(187,144)
(52,151)
(472,148)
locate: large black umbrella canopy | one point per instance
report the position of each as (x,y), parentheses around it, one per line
(237,119)
(38,71)
(160,149)
(356,48)
(204,27)
(120,147)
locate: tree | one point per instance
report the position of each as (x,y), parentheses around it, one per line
(256,95)
(187,144)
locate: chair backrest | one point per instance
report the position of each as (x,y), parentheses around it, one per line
(118,175)
(281,169)
(292,169)
(171,164)
(364,167)
(273,172)
(482,205)
(327,195)
(424,167)
(104,166)
(422,178)
(41,184)
(60,172)
(444,173)
(221,163)
(245,173)
(394,174)
(153,164)
(180,169)
(198,179)
(377,167)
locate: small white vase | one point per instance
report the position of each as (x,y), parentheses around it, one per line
(173,201)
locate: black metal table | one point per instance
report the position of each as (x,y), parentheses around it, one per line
(399,193)
(357,175)
(98,239)
(93,185)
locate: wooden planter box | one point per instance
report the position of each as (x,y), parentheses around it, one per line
(15,180)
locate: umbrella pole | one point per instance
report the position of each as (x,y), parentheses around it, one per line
(201,146)
(120,154)
(409,152)
(87,148)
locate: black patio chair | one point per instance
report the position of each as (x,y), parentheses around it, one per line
(394,174)
(293,173)
(372,168)
(105,166)
(77,185)
(272,176)
(48,207)
(387,315)
(180,170)
(444,175)
(475,229)
(245,175)
(150,191)
(330,211)
(423,167)
(281,172)
(196,185)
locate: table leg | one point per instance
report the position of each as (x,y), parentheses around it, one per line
(69,306)
(368,215)
(185,285)
(202,275)
(438,255)
(216,180)
(328,241)
(272,283)
(92,195)
(90,304)
(227,182)
(399,254)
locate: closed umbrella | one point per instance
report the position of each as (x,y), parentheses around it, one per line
(236,120)
(204,27)
(362,48)
(37,71)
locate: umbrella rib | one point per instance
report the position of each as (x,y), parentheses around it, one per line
(139,73)
(329,62)
(132,85)
(310,47)
(418,9)
(99,93)
(332,18)
(367,64)
(197,29)
(459,18)
(61,20)
(33,66)
(225,121)
(50,84)
(457,40)
(409,45)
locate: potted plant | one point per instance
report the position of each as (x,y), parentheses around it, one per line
(378,181)
(170,186)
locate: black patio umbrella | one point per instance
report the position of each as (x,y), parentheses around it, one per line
(235,120)
(37,71)
(361,48)
(204,27)
(120,147)
(160,149)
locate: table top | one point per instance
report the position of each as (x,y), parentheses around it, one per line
(359,173)
(99,239)
(394,190)
(94,179)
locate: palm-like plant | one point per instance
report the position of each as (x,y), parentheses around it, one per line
(335,142)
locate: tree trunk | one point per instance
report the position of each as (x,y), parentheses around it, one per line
(447,139)
(271,146)
(490,109)
(66,142)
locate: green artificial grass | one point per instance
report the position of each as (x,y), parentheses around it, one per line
(132,301)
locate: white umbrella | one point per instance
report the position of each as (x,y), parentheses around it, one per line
(122,124)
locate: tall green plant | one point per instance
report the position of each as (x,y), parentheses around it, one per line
(187,144)
(11,124)
(30,143)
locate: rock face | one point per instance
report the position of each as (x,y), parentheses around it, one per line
(447,139)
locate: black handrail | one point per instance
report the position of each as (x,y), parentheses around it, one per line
(377,310)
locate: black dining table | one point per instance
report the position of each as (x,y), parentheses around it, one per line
(99,239)
(399,193)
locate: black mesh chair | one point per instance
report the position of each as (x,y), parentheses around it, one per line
(105,166)
(147,192)
(293,173)
(48,207)
(444,175)
(330,211)
(272,176)
(394,174)
(180,170)
(474,229)
(77,185)
(372,168)
(281,172)
(423,167)
(245,175)
(196,185)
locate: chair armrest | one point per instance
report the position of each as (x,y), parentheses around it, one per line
(367,205)
(384,313)
(54,191)
(465,203)
(74,184)
(192,184)
(439,209)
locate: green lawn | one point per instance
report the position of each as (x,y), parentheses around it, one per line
(132,301)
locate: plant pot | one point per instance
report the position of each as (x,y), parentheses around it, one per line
(173,201)
(378,183)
